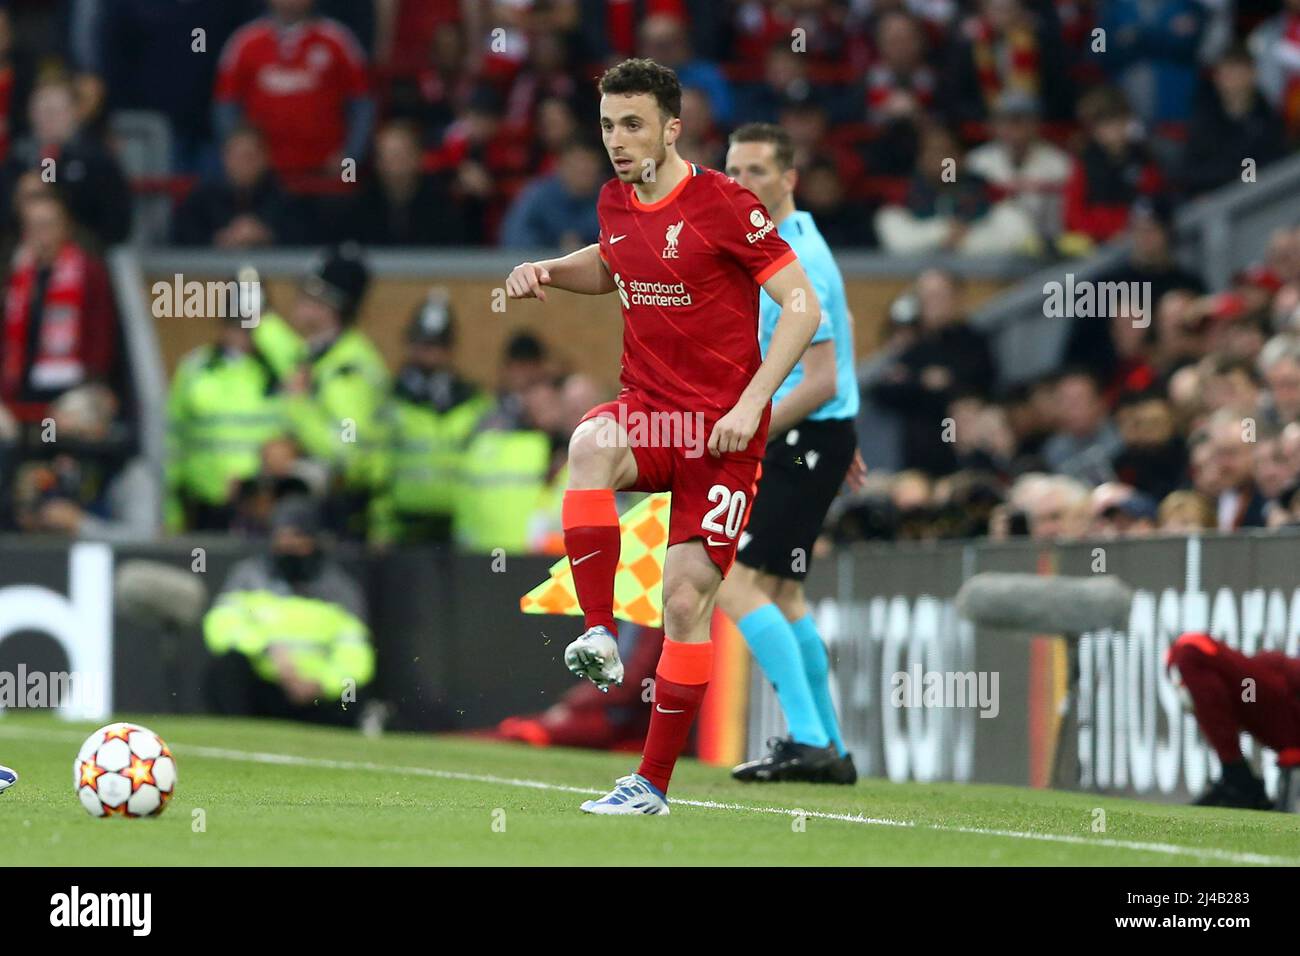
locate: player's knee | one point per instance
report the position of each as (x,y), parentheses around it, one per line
(593,456)
(684,606)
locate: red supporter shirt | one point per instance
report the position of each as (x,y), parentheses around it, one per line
(621,21)
(688,269)
(418,22)
(293,84)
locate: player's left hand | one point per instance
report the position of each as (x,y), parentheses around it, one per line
(733,430)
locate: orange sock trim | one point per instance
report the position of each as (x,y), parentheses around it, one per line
(685,663)
(588,508)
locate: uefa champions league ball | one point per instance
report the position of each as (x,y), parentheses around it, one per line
(124,770)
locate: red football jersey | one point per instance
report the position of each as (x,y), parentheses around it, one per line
(688,269)
(293,85)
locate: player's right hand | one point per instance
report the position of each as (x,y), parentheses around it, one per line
(733,430)
(526,280)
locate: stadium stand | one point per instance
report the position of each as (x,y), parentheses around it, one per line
(441,125)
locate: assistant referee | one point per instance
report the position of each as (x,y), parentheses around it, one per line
(811,447)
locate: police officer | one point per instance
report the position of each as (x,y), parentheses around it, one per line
(221,410)
(334,400)
(433,414)
(513,474)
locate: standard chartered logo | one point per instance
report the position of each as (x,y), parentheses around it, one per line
(661,294)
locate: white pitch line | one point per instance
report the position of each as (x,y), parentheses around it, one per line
(1171,849)
(252,756)
(326,763)
(1174,849)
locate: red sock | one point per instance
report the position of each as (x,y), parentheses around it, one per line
(1202,666)
(592,541)
(680,682)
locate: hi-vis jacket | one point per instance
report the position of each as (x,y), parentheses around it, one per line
(323,626)
(221,410)
(340,418)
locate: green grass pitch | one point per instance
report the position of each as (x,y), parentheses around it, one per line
(273,793)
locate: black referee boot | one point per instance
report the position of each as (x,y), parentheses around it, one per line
(841,770)
(788,761)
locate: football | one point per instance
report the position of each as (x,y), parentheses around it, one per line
(124,770)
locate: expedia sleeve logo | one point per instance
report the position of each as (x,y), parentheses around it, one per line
(761,223)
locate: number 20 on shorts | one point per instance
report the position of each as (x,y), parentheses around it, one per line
(730,502)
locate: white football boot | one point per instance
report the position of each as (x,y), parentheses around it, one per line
(594,655)
(634,795)
(7,778)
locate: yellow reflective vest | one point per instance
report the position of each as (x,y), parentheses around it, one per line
(503,482)
(340,419)
(221,410)
(326,643)
(422,464)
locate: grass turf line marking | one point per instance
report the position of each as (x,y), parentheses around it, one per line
(253,756)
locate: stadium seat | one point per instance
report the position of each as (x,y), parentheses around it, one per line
(1288,783)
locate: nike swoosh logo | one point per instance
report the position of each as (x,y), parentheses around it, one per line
(662,711)
(713,544)
(614,239)
(578,561)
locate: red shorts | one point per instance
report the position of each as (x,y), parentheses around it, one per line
(711,496)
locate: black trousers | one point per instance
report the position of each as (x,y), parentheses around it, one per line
(234,689)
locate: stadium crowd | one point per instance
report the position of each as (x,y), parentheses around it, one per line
(1187,420)
(452,122)
(466,121)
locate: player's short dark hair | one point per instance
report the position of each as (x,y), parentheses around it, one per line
(645,76)
(778,136)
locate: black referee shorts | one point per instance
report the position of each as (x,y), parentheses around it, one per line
(803,469)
